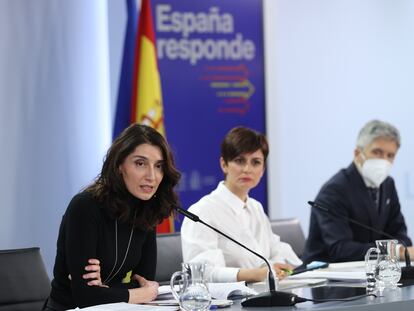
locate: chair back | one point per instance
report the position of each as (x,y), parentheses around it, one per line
(169,256)
(290,231)
(24,283)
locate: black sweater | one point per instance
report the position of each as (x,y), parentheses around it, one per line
(88,231)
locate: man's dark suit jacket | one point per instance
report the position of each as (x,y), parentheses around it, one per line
(332,239)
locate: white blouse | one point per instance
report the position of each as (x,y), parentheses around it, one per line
(246,222)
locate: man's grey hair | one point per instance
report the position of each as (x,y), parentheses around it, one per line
(377,129)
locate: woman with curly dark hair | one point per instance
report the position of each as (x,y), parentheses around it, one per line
(109,228)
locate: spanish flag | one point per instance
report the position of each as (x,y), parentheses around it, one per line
(145,96)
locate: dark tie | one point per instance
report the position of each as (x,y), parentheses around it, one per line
(374,192)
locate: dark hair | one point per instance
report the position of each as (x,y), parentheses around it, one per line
(110,189)
(241,140)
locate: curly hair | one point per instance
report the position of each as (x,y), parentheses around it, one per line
(109,187)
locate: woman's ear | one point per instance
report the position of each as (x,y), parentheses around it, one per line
(223,165)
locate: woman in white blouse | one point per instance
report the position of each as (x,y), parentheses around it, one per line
(230,209)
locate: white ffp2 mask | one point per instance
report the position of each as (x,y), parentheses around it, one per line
(376,170)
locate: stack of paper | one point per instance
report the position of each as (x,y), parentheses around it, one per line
(230,290)
(289,283)
(217,290)
(353,271)
(347,266)
(123,306)
(172,302)
(350,276)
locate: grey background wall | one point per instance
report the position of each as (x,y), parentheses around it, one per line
(55,121)
(330,67)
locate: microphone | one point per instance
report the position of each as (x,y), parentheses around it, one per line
(271,298)
(407,272)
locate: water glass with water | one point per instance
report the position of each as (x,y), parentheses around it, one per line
(371,258)
(193,293)
(387,269)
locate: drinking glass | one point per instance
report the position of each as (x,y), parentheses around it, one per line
(193,294)
(370,267)
(387,268)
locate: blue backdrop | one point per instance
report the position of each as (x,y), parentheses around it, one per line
(210,57)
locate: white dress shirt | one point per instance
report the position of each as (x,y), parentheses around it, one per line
(246,222)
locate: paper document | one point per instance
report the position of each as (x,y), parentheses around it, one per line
(217,290)
(166,289)
(347,266)
(164,302)
(123,306)
(173,302)
(230,290)
(289,283)
(351,276)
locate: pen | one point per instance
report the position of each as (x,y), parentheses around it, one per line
(287,271)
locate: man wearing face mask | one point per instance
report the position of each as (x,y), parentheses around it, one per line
(363,191)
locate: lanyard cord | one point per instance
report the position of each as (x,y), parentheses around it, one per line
(111,276)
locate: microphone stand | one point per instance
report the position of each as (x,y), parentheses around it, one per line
(271,298)
(407,272)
